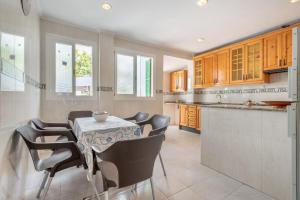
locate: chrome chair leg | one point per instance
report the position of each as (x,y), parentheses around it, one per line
(93,182)
(42,184)
(162,164)
(152,188)
(47,188)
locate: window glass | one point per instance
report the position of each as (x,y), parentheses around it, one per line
(144,76)
(12,61)
(125,74)
(63,77)
(83,70)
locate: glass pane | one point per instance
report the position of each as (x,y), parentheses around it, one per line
(125,74)
(12,62)
(63,81)
(144,76)
(83,70)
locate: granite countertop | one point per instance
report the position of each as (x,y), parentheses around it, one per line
(232,106)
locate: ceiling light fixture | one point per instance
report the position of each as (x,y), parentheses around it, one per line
(200,39)
(294,1)
(204,2)
(106,6)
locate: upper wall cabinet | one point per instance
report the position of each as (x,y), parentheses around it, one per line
(198,72)
(237,64)
(254,62)
(221,69)
(278,50)
(178,81)
(209,68)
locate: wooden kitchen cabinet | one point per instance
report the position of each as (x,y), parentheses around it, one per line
(237,64)
(190,116)
(198,72)
(198,118)
(183,112)
(178,81)
(208,65)
(254,62)
(221,67)
(278,50)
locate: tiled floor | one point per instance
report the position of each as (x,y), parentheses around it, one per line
(186,178)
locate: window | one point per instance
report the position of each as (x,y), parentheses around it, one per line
(12,61)
(134,75)
(74,69)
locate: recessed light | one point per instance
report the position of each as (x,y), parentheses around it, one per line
(294,1)
(106,6)
(202,2)
(200,39)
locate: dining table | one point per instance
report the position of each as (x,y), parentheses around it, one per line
(102,135)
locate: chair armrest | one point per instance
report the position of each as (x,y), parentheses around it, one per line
(143,123)
(158,131)
(66,133)
(65,125)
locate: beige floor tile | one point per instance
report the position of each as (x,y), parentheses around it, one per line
(186,194)
(216,187)
(169,185)
(248,193)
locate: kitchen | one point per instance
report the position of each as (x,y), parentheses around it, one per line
(236,98)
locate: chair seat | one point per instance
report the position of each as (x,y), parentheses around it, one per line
(62,139)
(56,157)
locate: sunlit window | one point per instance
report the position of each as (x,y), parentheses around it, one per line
(12,62)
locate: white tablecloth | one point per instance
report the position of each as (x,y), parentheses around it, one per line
(103,134)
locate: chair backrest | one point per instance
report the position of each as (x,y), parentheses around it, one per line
(141,116)
(78,114)
(30,135)
(160,121)
(134,159)
(39,124)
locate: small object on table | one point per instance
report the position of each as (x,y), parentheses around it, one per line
(280,104)
(100,116)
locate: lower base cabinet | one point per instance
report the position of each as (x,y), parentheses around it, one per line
(189,117)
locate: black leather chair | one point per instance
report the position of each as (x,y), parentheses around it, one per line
(79,114)
(139,117)
(64,155)
(128,162)
(159,124)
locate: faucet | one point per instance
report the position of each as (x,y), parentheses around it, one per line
(219,97)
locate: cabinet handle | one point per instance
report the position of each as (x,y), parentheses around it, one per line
(280,62)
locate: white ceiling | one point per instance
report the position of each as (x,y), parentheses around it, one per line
(172,63)
(176,23)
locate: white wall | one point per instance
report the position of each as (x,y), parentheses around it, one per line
(56,110)
(17,108)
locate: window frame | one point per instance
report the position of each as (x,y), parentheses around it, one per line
(134,95)
(50,57)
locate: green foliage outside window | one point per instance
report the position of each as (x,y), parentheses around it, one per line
(83,64)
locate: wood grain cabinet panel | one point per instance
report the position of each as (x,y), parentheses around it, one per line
(183,112)
(237,64)
(198,118)
(178,81)
(198,72)
(271,52)
(221,69)
(208,63)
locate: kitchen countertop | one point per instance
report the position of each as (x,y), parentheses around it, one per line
(232,106)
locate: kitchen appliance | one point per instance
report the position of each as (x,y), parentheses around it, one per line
(294,113)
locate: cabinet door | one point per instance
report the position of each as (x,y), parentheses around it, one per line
(286,48)
(183,115)
(221,71)
(198,118)
(182,80)
(237,64)
(208,63)
(254,61)
(271,52)
(198,73)
(173,82)
(192,116)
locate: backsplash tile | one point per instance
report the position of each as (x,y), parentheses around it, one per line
(277,89)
